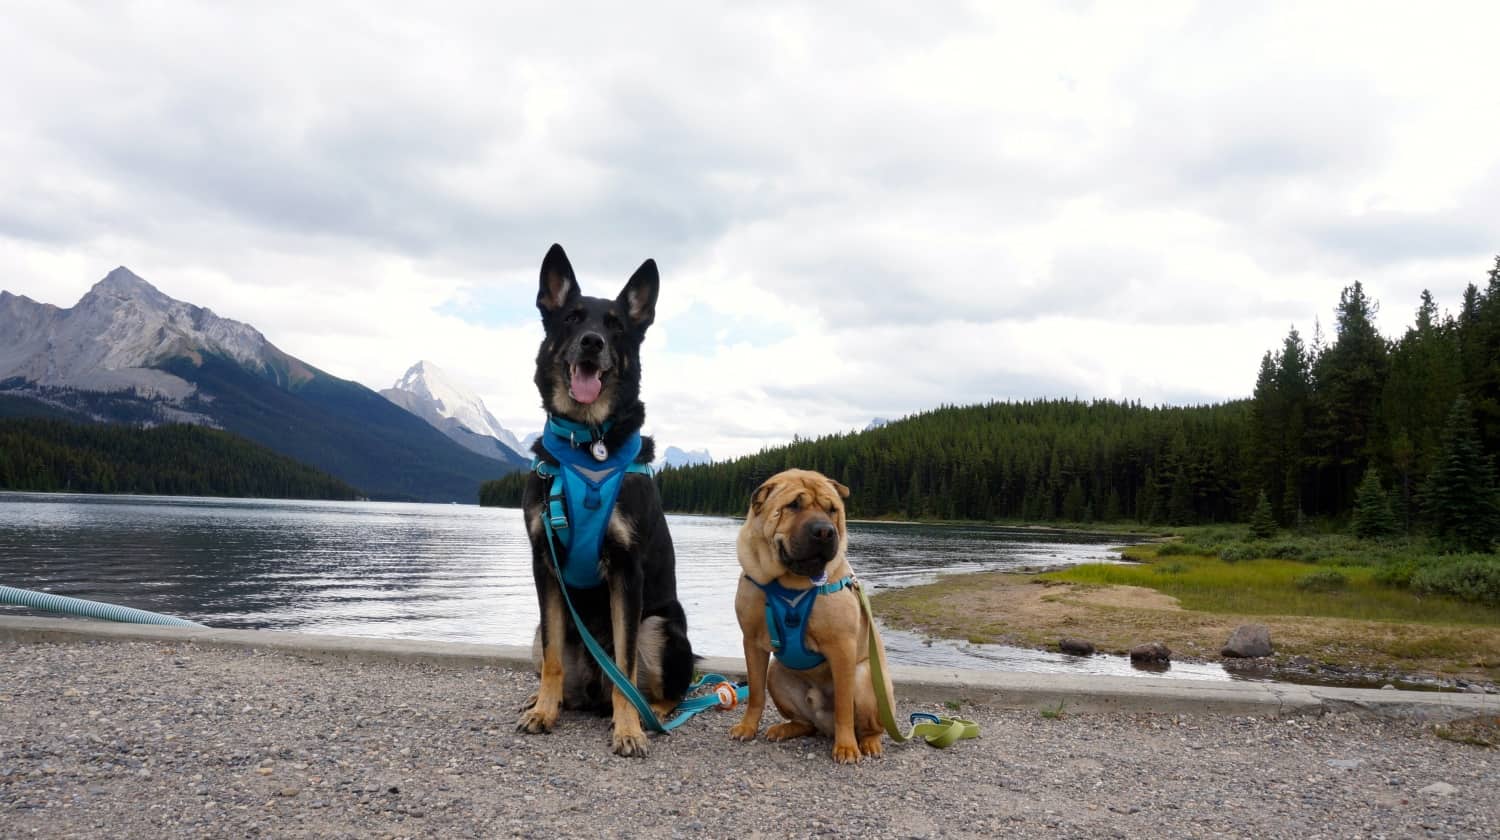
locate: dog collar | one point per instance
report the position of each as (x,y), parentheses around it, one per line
(580,435)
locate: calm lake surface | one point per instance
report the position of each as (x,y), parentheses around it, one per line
(452,572)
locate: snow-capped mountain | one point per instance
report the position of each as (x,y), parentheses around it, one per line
(674,457)
(426,391)
(127,353)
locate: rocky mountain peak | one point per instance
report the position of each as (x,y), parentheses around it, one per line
(126,284)
(116,334)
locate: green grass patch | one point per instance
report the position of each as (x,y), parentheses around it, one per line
(1266,586)
(1323,580)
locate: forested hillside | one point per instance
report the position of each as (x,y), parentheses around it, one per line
(1322,416)
(1038,461)
(52,455)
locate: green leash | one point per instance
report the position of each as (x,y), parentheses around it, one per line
(937,731)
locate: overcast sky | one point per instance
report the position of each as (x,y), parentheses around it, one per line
(859,210)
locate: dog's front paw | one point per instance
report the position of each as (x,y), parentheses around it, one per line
(534,721)
(845,753)
(871,745)
(744,730)
(529,704)
(629,744)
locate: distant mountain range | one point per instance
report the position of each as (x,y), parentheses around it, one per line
(674,457)
(128,353)
(426,391)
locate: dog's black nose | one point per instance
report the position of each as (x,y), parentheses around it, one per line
(591,342)
(823,532)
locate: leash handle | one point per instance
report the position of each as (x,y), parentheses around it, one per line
(937,731)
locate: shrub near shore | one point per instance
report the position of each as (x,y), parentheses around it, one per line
(1410,572)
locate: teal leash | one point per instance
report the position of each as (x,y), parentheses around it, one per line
(686,709)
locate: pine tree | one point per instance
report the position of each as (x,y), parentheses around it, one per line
(1349,377)
(1262,521)
(1180,502)
(1459,497)
(1372,510)
(1112,507)
(1072,507)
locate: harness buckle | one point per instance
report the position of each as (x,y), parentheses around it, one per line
(557,512)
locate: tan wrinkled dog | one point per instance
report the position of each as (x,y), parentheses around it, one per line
(793,534)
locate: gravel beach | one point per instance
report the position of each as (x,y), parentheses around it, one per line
(135,739)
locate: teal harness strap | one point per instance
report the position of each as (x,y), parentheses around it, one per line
(585,482)
(582,568)
(787,611)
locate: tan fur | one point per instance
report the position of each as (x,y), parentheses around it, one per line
(648,645)
(837,697)
(621,529)
(579,667)
(627,738)
(542,715)
(534,522)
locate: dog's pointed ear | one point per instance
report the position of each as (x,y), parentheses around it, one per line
(638,298)
(843,491)
(558,287)
(762,493)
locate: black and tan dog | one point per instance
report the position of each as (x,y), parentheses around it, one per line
(588,372)
(792,548)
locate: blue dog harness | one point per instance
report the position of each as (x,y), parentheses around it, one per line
(786,620)
(582,493)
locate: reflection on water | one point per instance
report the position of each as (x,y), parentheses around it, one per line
(447,572)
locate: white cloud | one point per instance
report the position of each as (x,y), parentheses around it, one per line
(893,208)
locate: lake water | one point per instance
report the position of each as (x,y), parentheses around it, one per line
(452,572)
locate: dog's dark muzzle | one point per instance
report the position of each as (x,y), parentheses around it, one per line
(809,551)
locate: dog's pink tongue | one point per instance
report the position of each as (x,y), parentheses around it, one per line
(585,386)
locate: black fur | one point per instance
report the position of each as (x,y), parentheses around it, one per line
(643,573)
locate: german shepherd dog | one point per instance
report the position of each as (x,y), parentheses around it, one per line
(588,371)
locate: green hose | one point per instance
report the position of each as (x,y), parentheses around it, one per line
(88,609)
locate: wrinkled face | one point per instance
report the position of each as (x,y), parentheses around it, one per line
(588,363)
(801,513)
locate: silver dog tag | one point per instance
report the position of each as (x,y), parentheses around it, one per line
(599,451)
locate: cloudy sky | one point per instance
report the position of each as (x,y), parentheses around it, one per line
(859,210)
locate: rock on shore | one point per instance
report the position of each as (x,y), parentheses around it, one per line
(1151,653)
(1248,641)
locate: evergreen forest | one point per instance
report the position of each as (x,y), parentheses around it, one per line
(49,455)
(1399,434)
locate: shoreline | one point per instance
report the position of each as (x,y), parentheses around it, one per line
(936,687)
(1022,610)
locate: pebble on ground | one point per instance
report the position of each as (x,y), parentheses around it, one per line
(151,740)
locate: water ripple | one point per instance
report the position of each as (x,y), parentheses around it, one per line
(444,572)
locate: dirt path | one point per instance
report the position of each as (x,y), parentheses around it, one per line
(146,740)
